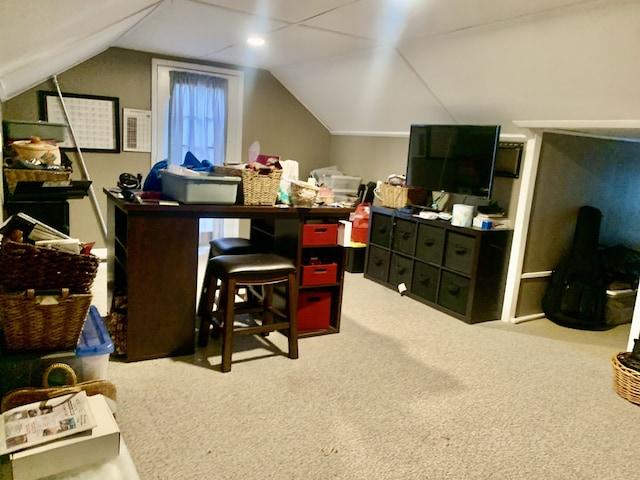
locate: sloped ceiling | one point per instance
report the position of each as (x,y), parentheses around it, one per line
(364,66)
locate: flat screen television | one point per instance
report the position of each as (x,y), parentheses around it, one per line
(453,158)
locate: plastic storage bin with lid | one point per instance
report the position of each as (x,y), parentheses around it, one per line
(93,350)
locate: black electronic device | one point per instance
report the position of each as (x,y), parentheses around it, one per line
(129,181)
(452,158)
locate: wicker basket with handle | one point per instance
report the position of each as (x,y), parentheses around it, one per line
(43,321)
(26,395)
(24,266)
(393,196)
(257,188)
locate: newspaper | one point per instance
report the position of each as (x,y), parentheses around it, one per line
(36,423)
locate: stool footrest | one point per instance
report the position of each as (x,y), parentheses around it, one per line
(261,328)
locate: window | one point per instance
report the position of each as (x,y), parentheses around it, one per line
(210,80)
(160,105)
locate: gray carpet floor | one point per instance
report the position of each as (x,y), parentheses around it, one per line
(402,392)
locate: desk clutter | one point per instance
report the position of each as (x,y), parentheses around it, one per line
(264,180)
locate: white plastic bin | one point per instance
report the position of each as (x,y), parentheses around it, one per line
(200,187)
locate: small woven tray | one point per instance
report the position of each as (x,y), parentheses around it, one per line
(24,266)
(31,323)
(14,175)
(626,381)
(257,188)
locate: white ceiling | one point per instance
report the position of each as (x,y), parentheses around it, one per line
(365,66)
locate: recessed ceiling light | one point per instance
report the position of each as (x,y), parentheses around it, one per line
(255,41)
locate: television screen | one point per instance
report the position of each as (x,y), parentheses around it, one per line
(452,158)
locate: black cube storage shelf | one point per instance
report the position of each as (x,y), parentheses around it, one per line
(459,271)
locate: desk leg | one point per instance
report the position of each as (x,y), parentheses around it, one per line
(162,267)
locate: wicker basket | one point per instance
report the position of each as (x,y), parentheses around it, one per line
(393,196)
(31,324)
(24,266)
(257,188)
(626,381)
(15,175)
(303,194)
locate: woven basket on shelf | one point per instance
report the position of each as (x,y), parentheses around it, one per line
(303,194)
(35,322)
(14,175)
(393,196)
(256,188)
(24,266)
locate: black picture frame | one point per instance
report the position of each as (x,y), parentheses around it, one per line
(508,159)
(95,120)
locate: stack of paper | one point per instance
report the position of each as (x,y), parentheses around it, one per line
(62,434)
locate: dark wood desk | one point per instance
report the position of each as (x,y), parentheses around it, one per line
(152,253)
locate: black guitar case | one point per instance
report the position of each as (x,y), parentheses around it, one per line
(576,295)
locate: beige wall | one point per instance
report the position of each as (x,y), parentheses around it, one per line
(372,158)
(271,115)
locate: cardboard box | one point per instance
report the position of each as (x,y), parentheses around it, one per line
(200,188)
(100,444)
(344,232)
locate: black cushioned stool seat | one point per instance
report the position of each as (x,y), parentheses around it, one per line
(223,246)
(258,269)
(231,246)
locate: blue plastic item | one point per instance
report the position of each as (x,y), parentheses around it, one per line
(94,339)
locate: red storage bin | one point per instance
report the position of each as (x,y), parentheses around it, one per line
(314,310)
(320,234)
(319,274)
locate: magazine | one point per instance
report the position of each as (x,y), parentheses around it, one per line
(31,228)
(39,422)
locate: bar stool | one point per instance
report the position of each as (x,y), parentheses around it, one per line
(222,246)
(257,269)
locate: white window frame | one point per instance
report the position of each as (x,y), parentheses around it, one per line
(159,103)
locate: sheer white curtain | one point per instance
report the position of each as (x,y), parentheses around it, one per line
(197,123)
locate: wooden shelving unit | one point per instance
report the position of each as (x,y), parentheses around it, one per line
(460,271)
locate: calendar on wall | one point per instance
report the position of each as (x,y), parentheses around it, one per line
(94,120)
(136,130)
